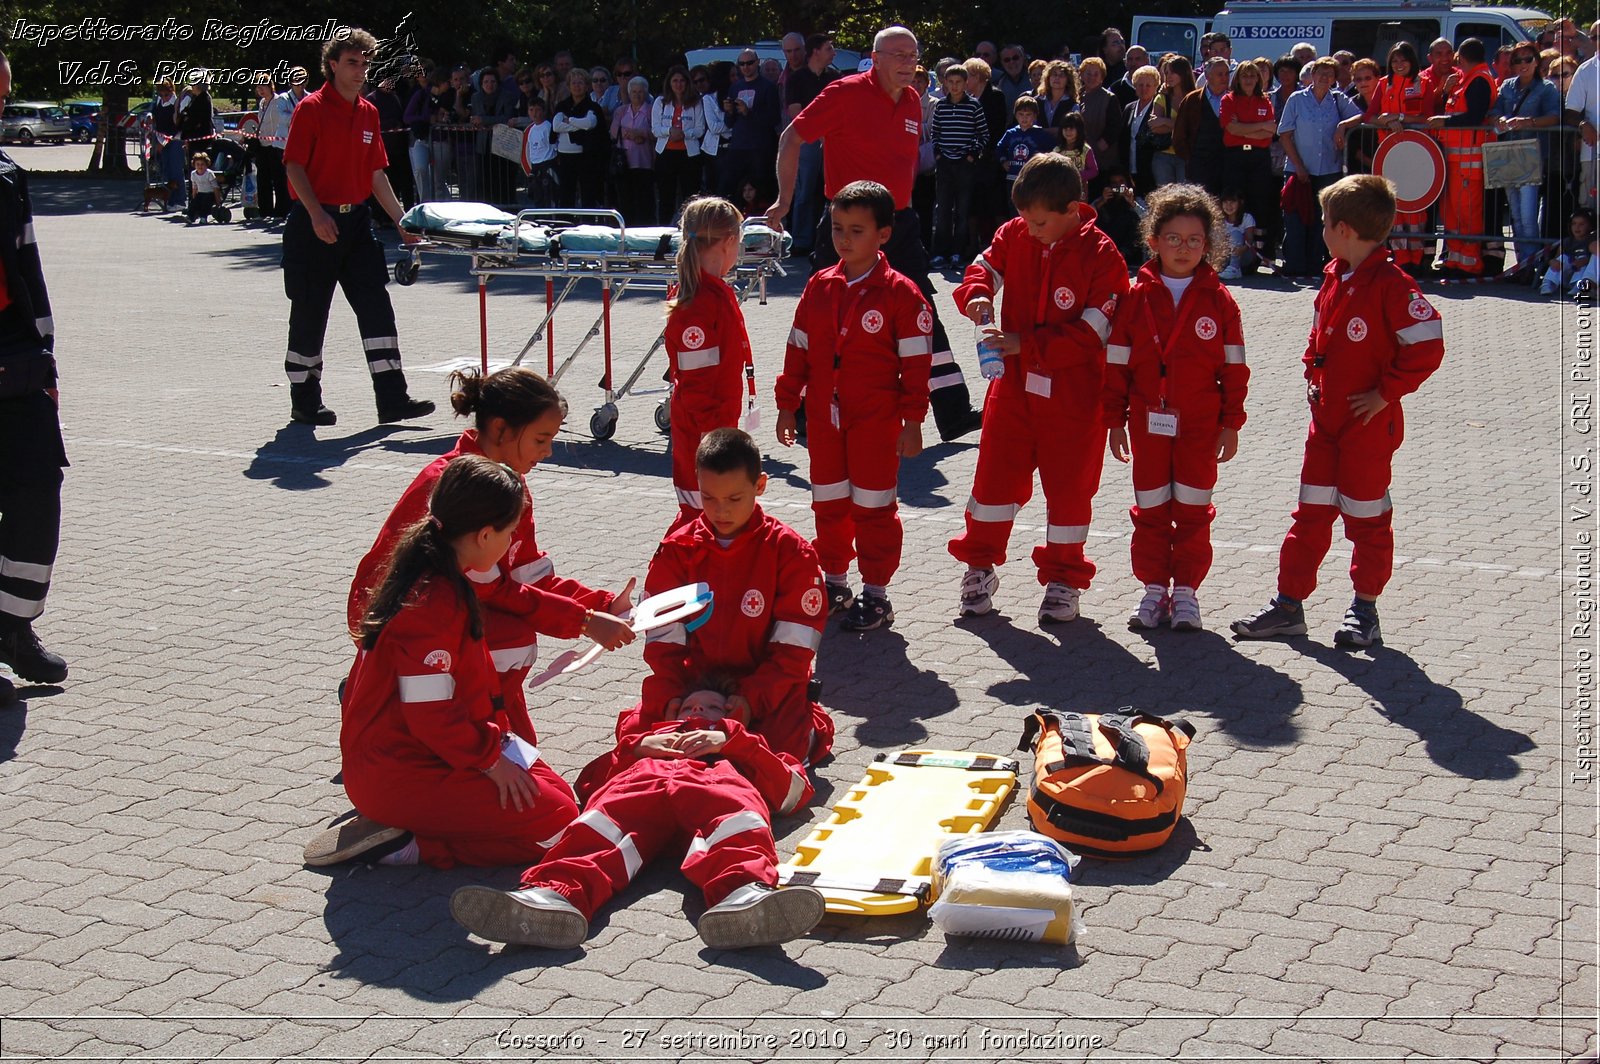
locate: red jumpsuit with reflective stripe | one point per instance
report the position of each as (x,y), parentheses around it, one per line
(522,598)
(1044,413)
(1372,330)
(708,349)
(636,806)
(1187,359)
(1401,96)
(860,352)
(1461,210)
(420,726)
(763,627)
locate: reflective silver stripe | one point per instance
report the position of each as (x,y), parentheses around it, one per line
(996,280)
(1038,384)
(1364,507)
(1066,533)
(607,829)
(1233,354)
(508,658)
(383,365)
(871,500)
(732,824)
(797,787)
(553,839)
(1319,495)
(1118,355)
(839,489)
(913,346)
(944,358)
(27,236)
(1006,511)
(296,358)
(1149,500)
(798,338)
(710,356)
(1098,322)
(17,606)
(39,574)
(1422,330)
(534,571)
(430,687)
(380,343)
(795,634)
(483,576)
(689,498)
(676,634)
(299,376)
(1191,496)
(45,326)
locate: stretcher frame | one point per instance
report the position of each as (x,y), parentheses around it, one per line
(616,271)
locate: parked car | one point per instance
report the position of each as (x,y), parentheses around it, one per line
(28,122)
(844,59)
(85,117)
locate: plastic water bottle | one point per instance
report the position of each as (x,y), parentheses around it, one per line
(991,363)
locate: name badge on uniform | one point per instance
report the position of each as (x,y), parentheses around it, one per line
(519,751)
(1038,384)
(1162,422)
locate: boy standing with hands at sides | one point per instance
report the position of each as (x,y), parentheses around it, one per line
(1176,382)
(1374,339)
(706,340)
(859,352)
(765,622)
(1063,278)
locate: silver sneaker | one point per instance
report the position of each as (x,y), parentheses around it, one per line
(757,915)
(537,916)
(1060,604)
(977,592)
(1153,609)
(1185,610)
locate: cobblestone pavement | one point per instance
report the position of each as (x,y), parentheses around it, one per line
(1387,855)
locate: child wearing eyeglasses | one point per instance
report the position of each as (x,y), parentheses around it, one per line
(1174,397)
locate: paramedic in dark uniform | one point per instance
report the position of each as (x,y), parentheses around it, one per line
(334,161)
(871,125)
(32,454)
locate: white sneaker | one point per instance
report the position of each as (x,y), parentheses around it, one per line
(1060,603)
(1230,273)
(1185,610)
(757,915)
(977,592)
(1154,608)
(537,916)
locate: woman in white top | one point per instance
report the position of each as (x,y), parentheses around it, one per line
(678,120)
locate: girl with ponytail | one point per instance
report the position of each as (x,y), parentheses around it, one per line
(437,768)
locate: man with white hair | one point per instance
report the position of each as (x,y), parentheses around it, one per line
(871,126)
(1303,53)
(794,61)
(1122,88)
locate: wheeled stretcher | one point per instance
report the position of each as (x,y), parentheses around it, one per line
(571,246)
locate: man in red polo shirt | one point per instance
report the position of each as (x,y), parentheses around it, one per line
(871,126)
(334,160)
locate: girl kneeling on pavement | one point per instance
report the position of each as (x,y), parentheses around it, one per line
(438,771)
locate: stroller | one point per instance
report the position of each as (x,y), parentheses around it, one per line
(231,163)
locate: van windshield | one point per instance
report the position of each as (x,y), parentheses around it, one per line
(1161,37)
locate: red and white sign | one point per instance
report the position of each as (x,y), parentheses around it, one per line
(1415,163)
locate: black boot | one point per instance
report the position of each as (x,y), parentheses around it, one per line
(394,403)
(8,691)
(20,648)
(305,405)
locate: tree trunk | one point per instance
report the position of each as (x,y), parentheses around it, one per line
(110,151)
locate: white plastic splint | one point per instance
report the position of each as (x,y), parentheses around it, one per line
(657,611)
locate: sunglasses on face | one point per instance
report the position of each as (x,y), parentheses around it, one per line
(749,62)
(1520,60)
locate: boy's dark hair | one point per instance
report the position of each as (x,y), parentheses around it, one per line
(537,101)
(201,156)
(725,450)
(346,39)
(1026,103)
(1364,202)
(1188,201)
(869,194)
(723,682)
(1050,181)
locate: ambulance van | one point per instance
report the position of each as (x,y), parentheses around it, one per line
(1271,27)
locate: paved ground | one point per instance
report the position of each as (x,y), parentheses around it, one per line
(1387,856)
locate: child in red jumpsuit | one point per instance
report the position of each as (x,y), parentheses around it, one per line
(859,353)
(517,415)
(1374,340)
(1062,278)
(699,775)
(1176,382)
(706,341)
(765,621)
(438,770)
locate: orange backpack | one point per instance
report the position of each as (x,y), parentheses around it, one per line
(1107,785)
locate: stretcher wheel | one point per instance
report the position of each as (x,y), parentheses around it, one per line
(664,416)
(405,272)
(603,425)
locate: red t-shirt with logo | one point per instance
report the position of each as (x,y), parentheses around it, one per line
(339,144)
(868,136)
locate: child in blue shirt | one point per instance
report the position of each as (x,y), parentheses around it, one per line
(1023,141)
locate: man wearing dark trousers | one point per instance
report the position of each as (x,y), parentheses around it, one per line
(32,453)
(871,125)
(335,159)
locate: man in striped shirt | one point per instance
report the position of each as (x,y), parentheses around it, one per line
(960,135)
